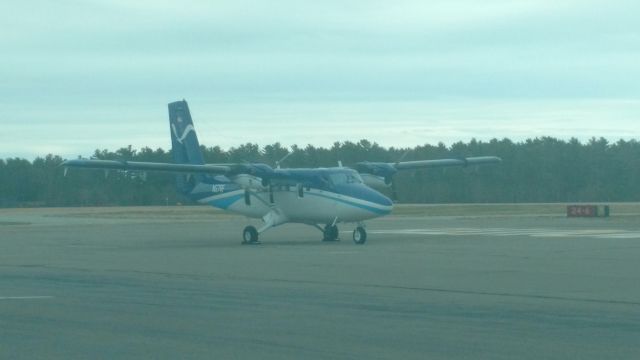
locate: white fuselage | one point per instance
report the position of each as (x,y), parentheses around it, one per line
(313,207)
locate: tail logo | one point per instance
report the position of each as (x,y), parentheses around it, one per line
(186,132)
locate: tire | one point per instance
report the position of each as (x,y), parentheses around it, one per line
(330,233)
(250,235)
(359,235)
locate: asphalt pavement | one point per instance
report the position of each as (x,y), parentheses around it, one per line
(173,283)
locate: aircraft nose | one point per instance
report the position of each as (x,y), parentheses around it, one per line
(374,201)
(379,198)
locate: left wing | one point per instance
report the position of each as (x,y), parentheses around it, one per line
(420,164)
(380,174)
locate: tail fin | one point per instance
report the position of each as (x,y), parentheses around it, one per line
(184,144)
(184,141)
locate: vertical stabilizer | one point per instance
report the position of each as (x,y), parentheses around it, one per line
(184,141)
(185,147)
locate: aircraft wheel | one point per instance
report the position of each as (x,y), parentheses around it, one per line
(330,233)
(250,235)
(359,235)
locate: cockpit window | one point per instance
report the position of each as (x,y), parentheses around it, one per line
(345,178)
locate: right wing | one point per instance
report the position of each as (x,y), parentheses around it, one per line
(148,166)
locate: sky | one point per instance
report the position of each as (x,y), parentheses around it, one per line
(76,76)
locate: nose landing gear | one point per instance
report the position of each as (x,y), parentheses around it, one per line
(359,235)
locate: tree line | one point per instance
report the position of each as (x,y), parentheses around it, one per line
(543,169)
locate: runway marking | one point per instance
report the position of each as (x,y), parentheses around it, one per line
(25,297)
(544,233)
(353,285)
(456,291)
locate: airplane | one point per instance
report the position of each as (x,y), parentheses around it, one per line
(312,196)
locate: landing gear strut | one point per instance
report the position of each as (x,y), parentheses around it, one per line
(359,235)
(330,233)
(250,236)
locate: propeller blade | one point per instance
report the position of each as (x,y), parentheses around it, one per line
(394,191)
(403,156)
(271,199)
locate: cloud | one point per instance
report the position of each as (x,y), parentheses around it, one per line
(118,62)
(390,123)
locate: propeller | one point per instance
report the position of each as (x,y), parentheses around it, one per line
(271,198)
(394,192)
(389,180)
(403,156)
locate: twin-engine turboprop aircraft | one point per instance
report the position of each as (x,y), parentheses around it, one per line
(322,196)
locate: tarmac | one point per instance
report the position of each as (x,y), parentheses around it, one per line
(169,283)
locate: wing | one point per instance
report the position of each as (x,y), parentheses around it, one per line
(148,166)
(380,174)
(421,164)
(388,169)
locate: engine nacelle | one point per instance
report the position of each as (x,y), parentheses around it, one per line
(248,181)
(376,182)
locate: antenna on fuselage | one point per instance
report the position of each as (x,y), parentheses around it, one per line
(283,159)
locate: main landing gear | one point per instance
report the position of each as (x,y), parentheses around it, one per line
(330,233)
(271,219)
(250,236)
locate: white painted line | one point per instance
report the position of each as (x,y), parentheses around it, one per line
(543,233)
(25,297)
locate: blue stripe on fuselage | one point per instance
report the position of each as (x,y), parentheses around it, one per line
(354,204)
(226,202)
(345,194)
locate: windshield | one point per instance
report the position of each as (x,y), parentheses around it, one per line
(345,178)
